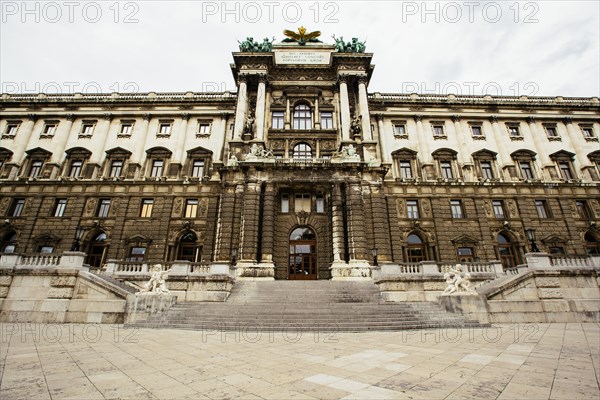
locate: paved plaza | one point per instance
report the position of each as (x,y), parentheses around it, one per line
(529,361)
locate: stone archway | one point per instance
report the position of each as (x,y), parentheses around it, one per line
(302,254)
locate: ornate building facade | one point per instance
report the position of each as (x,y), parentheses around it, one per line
(300,174)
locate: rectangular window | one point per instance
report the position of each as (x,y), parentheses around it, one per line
(17,207)
(191,208)
(565,170)
(587,131)
(285,203)
(126,128)
(582,209)
(302,202)
(542,208)
(513,130)
(412,209)
(36,168)
(146,210)
(320,203)
(456,209)
(551,131)
(438,130)
(498,207)
(59,207)
(446,169)
(75,170)
(405,170)
(476,130)
(157,168)
(103,208)
(45,249)
(486,170)
(399,129)
(526,170)
(327,120)
(198,168)
(116,167)
(49,129)
(11,129)
(136,254)
(87,129)
(164,128)
(204,128)
(465,254)
(277,121)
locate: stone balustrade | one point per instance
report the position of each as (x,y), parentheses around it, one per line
(67,259)
(176,268)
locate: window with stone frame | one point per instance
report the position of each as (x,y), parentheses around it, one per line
(326,119)
(564,165)
(136,248)
(456,209)
(412,209)
(551,131)
(587,130)
(60,205)
(438,128)
(87,128)
(594,169)
(476,130)
(5,157)
(524,168)
(49,129)
(320,203)
(583,209)
(116,163)
(35,163)
(146,208)
(302,117)
(165,128)
(198,163)
(465,254)
(75,162)
(514,130)
(485,161)
(16,208)
(405,160)
(285,203)
(12,127)
(157,162)
(498,209)
(126,128)
(277,119)
(543,210)
(46,243)
(191,208)
(204,127)
(136,253)
(302,151)
(103,208)
(446,163)
(400,131)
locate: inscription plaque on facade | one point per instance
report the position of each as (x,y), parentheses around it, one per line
(302,57)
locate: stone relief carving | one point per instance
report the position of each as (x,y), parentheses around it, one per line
(203,207)
(177,207)
(512,208)
(400,207)
(458,281)
(487,206)
(426,208)
(90,207)
(4,205)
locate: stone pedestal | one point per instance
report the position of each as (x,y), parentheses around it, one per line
(255,271)
(355,270)
(140,306)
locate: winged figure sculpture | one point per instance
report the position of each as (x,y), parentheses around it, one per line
(302,37)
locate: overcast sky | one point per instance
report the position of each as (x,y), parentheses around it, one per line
(543,48)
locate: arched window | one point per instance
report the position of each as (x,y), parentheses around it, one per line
(415,250)
(97,250)
(592,244)
(302,151)
(9,242)
(507,251)
(187,247)
(302,117)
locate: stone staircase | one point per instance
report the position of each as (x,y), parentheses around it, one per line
(325,306)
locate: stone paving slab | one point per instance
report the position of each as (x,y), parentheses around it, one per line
(92,361)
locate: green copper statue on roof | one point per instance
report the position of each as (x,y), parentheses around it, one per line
(251,46)
(351,47)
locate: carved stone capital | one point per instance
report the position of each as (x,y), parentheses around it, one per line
(147,117)
(108,116)
(530,119)
(185,116)
(568,120)
(70,117)
(379,117)
(456,118)
(493,118)
(342,79)
(32,117)
(417,117)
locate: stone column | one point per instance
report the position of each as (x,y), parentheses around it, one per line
(288,114)
(63,134)
(383,151)
(363,104)
(249,223)
(102,134)
(337,224)
(24,138)
(222,134)
(142,137)
(499,138)
(381,227)
(241,108)
(576,138)
(317,123)
(223,236)
(540,145)
(178,154)
(268,224)
(261,103)
(344,108)
(463,154)
(356,223)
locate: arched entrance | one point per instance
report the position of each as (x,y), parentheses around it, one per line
(97,250)
(9,242)
(303,254)
(187,247)
(415,249)
(507,251)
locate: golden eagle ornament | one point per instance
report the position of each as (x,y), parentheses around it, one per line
(302,37)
